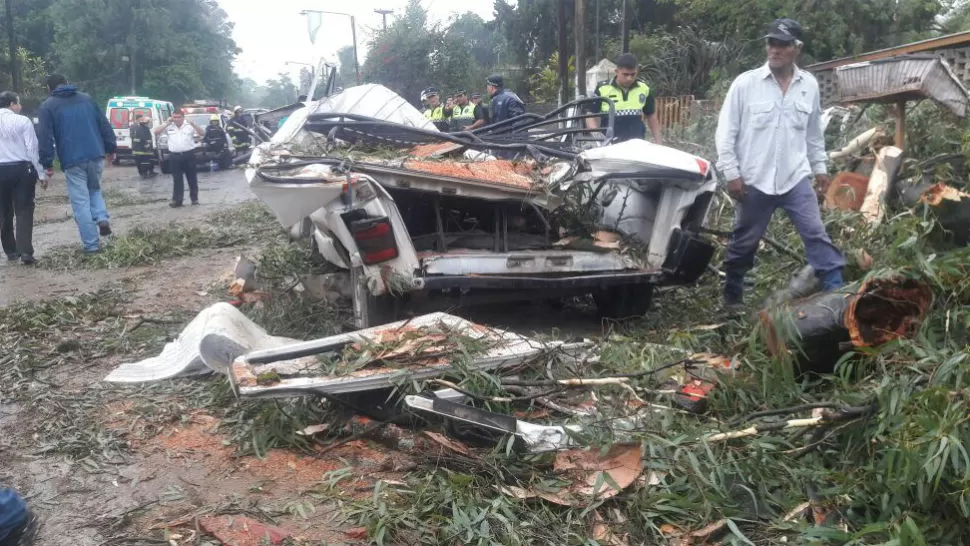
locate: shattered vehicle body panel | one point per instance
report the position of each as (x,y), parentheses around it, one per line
(505,210)
(393,353)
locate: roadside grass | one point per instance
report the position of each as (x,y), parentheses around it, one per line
(117,198)
(248,223)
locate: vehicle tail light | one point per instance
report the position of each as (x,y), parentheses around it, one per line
(375,239)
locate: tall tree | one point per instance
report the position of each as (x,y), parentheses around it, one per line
(401,58)
(174,49)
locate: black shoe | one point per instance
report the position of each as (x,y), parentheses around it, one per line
(195,203)
(104,227)
(13,257)
(25,534)
(28,260)
(175,204)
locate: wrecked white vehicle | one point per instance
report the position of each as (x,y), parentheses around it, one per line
(518,210)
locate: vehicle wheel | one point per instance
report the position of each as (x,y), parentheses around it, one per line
(631,301)
(371,310)
(164,167)
(116,161)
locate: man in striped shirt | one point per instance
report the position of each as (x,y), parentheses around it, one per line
(19,172)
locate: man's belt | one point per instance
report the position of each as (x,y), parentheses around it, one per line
(17,164)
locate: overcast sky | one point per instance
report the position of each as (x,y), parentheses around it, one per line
(273,32)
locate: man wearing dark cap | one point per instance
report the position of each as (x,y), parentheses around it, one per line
(633,103)
(466,116)
(504,103)
(770,147)
(476,99)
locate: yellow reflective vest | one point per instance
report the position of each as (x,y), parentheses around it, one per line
(435,114)
(462,116)
(628,106)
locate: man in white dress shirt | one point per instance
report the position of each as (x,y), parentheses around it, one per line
(770,147)
(181,146)
(19,172)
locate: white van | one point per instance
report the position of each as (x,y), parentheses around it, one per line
(123,112)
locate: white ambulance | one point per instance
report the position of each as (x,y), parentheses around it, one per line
(123,112)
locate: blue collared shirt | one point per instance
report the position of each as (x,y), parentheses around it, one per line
(769,139)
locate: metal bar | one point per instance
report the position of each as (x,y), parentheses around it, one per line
(442,243)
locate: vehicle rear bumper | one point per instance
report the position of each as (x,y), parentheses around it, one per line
(687,259)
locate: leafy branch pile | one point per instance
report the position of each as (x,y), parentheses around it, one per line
(149,246)
(405,347)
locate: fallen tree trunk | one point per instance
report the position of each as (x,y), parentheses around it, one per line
(818,330)
(950,206)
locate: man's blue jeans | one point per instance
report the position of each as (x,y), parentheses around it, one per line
(13,512)
(751,221)
(84,188)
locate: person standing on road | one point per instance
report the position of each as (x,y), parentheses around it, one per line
(73,124)
(769,147)
(142,147)
(19,171)
(181,146)
(633,103)
(504,104)
(239,131)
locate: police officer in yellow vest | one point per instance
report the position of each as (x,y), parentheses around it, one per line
(633,102)
(435,112)
(466,116)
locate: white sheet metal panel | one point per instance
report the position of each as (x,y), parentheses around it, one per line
(629,155)
(506,349)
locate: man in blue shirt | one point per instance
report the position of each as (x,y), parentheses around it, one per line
(770,146)
(71,123)
(504,104)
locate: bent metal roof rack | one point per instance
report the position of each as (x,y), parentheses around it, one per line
(559,133)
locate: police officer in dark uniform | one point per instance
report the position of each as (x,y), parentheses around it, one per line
(504,104)
(633,102)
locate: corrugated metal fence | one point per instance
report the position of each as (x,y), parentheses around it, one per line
(674,111)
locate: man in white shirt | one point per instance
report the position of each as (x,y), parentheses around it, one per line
(181,147)
(770,146)
(19,172)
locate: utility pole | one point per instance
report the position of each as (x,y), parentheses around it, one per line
(596,24)
(625,33)
(14,58)
(353,32)
(580,24)
(563,55)
(384,13)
